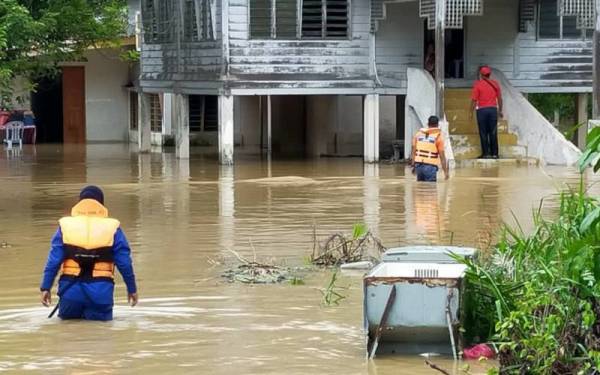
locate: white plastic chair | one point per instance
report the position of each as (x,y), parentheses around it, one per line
(13,133)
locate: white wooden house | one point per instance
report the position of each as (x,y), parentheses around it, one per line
(317,77)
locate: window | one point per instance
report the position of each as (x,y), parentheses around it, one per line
(199,20)
(553,26)
(133,110)
(155,113)
(292,19)
(204,113)
(274,19)
(157,19)
(325,18)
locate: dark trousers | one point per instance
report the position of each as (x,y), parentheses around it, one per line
(487,120)
(426,172)
(68,309)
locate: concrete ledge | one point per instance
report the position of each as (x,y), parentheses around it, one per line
(489,163)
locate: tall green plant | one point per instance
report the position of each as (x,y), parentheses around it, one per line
(538,296)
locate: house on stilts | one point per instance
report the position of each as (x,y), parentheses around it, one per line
(345,77)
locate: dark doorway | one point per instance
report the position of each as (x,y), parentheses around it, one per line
(46,104)
(455,50)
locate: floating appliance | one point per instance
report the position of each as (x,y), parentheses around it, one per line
(412,301)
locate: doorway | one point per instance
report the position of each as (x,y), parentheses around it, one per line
(46,104)
(455,50)
(73,85)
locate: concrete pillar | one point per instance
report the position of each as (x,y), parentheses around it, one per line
(371,128)
(226,130)
(582,120)
(226,188)
(144,132)
(371,203)
(182,126)
(269,126)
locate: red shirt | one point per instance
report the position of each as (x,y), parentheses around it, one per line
(484,94)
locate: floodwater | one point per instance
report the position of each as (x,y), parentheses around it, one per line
(182,218)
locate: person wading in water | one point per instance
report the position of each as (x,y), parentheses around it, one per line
(428,152)
(87,247)
(486,98)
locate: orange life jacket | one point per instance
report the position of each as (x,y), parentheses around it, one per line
(426,151)
(88,237)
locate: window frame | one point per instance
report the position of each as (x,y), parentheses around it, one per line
(299,36)
(190,32)
(583,37)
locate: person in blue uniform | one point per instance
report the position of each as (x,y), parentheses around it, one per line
(86,248)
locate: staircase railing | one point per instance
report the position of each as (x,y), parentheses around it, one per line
(543,140)
(420,104)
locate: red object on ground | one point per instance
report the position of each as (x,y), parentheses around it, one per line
(479,351)
(4,117)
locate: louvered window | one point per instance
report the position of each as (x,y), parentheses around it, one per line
(204,113)
(199,19)
(274,19)
(157,19)
(553,26)
(133,110)
(155,113)
(325,18)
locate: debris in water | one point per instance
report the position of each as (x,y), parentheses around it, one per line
(253,272)
(4,245)
(340,249)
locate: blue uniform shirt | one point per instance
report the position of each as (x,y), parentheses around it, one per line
(98,292)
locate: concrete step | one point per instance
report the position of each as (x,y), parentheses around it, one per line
(504,139)
(451,94)
(490,163)
(467,127)
(465,152)
(458,101)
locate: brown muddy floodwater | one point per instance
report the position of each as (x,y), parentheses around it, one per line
(178,215)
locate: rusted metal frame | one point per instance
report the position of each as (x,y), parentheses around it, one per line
(383,321)
(449,298)
(429,282)
(440,49)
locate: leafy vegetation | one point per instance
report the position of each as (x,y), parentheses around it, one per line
(332,293)
(36,35)
(537,296)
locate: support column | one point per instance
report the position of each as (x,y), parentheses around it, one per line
(226,130)
(440,56)
(144,131)
(269,126)
(582,119)
(371,128)
(182,126)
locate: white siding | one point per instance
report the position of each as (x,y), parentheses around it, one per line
(490,39)
(399,43)
(272,60)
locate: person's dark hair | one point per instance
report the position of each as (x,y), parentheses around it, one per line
(92,192)
(433,121)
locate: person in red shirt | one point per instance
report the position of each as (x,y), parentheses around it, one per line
(486,99)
